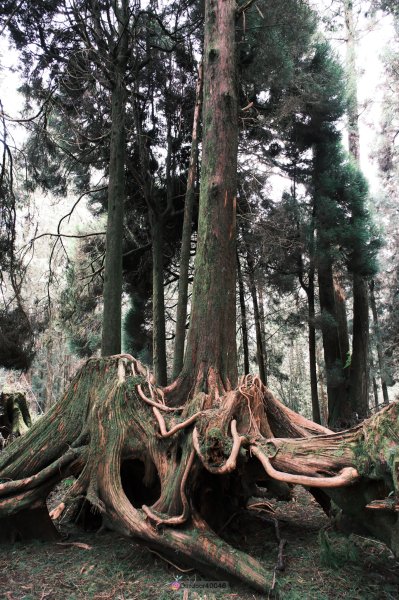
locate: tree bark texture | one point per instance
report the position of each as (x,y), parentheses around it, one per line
(181,314)
(312,349)
(211,354)
(158,299)
(359,373)
(309,289)
(381,362)
(260,357)
(342,321)
(359,384)
(112,292)
(262,330)
(156,217)
(339,410)
(243,310)
(149,469)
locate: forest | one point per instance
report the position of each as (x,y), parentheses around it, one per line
(199,316)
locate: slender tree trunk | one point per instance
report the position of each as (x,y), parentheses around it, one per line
(322,395)
(156,225)
(49,374)
(339,410)
(375,386)
(342,321)
(309,289)
(375,391)
(381,362)
(258,330)
(211,354)
(360,348)
(112,316)
(181,316)
(111,331)
(312,349)
(360,344)
(262,329)
(243,310)
(158,300)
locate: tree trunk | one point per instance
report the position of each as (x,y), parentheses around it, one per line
(359,373)
(171,466)
(262,330)
(342,322)
(158,299)
(258,329)
(309,289)
(375,390)
(132,456)
(181,315)
(339,410)
(312,349)
(360,348)
(112,291)
(381,362)
(322,395)
(211,356)
(156,217)
(243,310)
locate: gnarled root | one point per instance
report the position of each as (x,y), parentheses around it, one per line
(168,475)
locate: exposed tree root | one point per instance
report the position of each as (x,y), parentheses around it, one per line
(171,480)
(345,477)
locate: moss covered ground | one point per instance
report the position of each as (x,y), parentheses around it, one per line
(318,566)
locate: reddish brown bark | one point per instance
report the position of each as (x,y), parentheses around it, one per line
(210,360)
(167,475)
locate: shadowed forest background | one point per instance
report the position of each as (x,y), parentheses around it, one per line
(182,203)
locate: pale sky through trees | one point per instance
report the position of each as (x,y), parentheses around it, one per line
(374,40)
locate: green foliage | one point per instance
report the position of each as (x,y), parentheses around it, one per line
(79,314)
(136,328)
(336,554)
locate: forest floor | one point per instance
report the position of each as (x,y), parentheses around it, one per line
(318,566)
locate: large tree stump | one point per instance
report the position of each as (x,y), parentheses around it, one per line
(172,476)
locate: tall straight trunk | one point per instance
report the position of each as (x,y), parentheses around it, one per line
(381,362)
(360,348)
(342,321)
(309,289)
(156,218)
(312,348)
(258,329)
(243,310)
(49,400)
(262,329)
(322,395)
(339,410)
(211,354)
(375,391)
(181,315)
(112,315)
(360,341)
(158,300)
(375,386)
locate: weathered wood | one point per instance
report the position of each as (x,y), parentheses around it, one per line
(143,468)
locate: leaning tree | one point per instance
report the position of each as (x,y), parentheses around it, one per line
(169,467)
